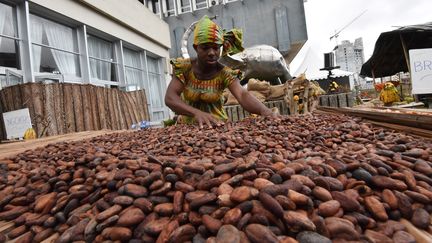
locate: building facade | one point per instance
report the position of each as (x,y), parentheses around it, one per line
(278,23)
(350,57)
(111,43)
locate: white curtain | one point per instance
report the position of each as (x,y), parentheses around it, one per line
(103,50)
(61,37)
(5,16)
(155,82)
(36,36)
(133,76)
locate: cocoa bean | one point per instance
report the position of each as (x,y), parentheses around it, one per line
(329,208)
(182,234)
(131,217)
(271,204)
(260,234)
(228,234)
(117,233)
(376,208)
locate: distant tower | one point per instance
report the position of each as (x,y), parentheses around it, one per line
(350,56)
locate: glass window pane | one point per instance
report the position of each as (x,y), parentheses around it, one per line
(103,70)
(153,64)
(134,78)
(9,53)
(132,58)
(156,91)
(53,61)
(7,20)
(100,48)
(52,34)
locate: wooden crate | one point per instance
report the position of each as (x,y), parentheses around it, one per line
(237,113)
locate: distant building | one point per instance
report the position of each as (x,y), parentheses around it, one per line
(278,23)
(350,57)
(110,43)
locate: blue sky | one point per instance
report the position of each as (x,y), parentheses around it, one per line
(324,17)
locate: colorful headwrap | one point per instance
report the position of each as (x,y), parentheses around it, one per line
(207,31)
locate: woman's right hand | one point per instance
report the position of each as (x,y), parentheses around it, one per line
(206,118)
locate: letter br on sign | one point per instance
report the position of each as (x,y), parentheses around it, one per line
(16,123)
(421,70)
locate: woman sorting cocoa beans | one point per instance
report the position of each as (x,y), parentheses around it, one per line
(195,92)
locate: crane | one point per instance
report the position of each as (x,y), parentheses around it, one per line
(336,35)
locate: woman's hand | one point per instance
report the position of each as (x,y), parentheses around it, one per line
(206,118)
(270,114)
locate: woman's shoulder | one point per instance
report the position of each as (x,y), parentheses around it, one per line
(181,64)
(229,72)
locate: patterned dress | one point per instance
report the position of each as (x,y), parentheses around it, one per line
(205,95)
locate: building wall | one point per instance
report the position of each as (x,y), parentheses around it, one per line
(126,19)
(279,23)
(116,44)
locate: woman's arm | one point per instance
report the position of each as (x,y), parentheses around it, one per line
(176,104)
(248,101)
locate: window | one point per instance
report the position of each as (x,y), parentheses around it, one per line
(185,6)
(102,59)
(9,56)
(170,6)
(156,88)
(133,70)
(200,4)
(55,48)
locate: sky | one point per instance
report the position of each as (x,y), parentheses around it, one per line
(324,17)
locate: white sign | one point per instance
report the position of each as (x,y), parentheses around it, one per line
(421,70)
(16,123)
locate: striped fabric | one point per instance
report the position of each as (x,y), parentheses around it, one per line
(205,95)
(207,31)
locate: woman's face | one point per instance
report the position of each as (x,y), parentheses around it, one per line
(208,53)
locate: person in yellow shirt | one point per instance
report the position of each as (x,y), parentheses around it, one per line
(334,87)
(195,92)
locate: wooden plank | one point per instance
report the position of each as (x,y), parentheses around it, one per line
(17,97)
(133,106)
(68,107)
(350,99)
(139,105)
(50,115)
(59,108)
(126,110)
(421,236)
(342,100)
(101,107)
(8,99)
(324,101)
(234,113)
(107,108)
(2,109)
(88,118)
(120,110)
(145,105)
(37,100)
(115,108)
(52,238)
(6,226)
(92,94)
(333,102)
(110,108)
(27,100)
(412,120)
(78,107)
(240,112)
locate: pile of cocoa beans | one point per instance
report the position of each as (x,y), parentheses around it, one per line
(318,178)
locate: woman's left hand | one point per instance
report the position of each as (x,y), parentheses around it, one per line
(270,114)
